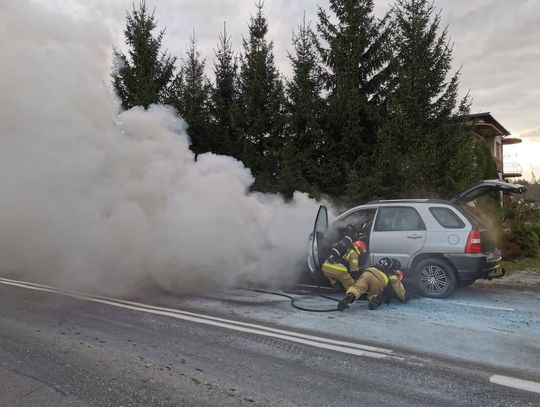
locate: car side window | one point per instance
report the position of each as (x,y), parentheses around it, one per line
(358,219)
(446,218)
(397,219)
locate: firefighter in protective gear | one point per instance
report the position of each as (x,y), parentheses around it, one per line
(344,259)
(380,283)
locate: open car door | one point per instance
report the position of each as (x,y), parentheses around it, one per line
(484,187)
(319,231)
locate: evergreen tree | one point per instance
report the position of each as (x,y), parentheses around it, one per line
(143,77)
(224,98)
(261,104)
(303,163)
(427,146)
(192,99)
(353,50)
(484,165)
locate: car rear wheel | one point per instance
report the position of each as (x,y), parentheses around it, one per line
(434,278)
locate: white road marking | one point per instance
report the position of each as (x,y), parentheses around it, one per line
(516,383)
(319,342)
(78,294)
(468,304)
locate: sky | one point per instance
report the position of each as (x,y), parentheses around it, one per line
(496,47)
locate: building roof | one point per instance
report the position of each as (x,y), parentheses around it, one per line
(486,125)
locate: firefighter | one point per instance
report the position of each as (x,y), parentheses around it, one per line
(380,283)
(344,259)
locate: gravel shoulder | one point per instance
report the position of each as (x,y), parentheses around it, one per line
(521,279)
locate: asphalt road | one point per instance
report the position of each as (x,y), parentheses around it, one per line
(60,350)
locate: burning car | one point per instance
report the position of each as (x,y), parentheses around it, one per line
(440,244)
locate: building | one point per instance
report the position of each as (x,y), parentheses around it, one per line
(532,194)
(496,137)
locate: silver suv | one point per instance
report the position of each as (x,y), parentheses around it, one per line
(440,244)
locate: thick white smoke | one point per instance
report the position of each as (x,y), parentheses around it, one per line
(97,200)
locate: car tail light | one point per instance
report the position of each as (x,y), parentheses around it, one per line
(473,242)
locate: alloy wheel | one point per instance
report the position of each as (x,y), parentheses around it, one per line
(433,279)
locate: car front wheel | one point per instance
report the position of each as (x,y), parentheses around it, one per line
(434,278)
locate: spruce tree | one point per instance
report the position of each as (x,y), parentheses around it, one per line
(144,75)
(224,98)
(353,50)
(192,99)
(427,146)
(260,104)
(303,163)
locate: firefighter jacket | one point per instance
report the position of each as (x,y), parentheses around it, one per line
(343,259)
(374,282)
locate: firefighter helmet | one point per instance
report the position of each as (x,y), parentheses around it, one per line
(388,264)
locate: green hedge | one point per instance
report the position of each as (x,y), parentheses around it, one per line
(535,227)
(527,237)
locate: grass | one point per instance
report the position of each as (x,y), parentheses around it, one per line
(529,264)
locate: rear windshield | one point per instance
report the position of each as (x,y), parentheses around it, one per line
(447,218)
(473,215)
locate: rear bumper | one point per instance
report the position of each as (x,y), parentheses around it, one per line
(471,267)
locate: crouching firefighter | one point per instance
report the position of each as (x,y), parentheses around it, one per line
(381,283)
(344,259)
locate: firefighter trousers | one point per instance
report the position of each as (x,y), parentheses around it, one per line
(336,275)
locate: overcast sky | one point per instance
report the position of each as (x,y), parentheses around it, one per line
(496,44)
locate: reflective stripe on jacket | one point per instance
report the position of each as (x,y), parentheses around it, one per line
(348,261)
(336,266)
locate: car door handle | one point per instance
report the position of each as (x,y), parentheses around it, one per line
(415,236)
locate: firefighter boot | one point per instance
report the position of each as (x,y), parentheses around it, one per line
(344,303)
(374,302)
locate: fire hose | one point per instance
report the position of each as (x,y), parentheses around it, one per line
(293,300)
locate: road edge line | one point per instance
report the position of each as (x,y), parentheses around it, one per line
(325,343)
(516,383)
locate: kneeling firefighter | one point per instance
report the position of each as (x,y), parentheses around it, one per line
(344,259)
(381,283)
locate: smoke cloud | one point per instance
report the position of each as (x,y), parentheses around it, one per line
(95,199)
